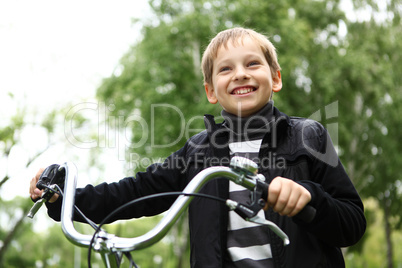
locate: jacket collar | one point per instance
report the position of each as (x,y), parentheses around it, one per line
(281,121)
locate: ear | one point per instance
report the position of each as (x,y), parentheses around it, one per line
(277,82)
(210,93)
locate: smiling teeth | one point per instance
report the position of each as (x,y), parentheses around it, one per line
(243,91)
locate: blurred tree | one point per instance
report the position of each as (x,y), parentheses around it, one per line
(15,213)
(338,68)
(19,247)
(163,69)
(157,91)
(9,138)
(367,83)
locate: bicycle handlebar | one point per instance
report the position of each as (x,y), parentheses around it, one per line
(160,230)
(241,171)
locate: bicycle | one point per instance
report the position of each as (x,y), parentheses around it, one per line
(112,248)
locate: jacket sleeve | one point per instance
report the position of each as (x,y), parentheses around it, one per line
(96,202)
(340,219)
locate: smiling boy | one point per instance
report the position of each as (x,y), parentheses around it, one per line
(242,80)
(241,72)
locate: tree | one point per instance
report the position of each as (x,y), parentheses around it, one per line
(368,74)
(19,245)
(9,136)
(164,68)
(331,61)
(16,210)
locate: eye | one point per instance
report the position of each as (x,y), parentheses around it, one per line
(253,63)
(224,69)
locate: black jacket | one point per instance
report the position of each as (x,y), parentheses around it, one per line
(295,148)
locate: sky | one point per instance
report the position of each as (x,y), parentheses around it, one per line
(54,52)
(53,47)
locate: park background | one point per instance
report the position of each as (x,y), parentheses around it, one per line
(116,86)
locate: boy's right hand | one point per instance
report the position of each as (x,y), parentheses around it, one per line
(36,193)
(287,197)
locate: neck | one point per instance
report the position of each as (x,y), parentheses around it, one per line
(255,125)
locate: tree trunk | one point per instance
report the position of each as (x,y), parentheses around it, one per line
(388,231)
(4,180)
(181,233)
(9,238)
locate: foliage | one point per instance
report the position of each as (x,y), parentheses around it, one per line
(50,248)
(329,57)
(156,98)
(40,242)
(164,68)
(372,253)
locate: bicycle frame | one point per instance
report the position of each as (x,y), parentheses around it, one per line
(112,247)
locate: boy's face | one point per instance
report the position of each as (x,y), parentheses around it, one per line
(242,79)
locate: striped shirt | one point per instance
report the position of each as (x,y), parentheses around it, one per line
(247,242)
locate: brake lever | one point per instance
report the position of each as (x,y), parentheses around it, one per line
(47,194)
(250,213)
(38,204)
(259,220)
(48,180)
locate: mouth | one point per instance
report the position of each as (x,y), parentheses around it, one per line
(243,90)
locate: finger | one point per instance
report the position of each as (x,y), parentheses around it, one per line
(54,198)
(279,192)
(274,191)
(281,205)
(291,203)
(302,201)
(34,192)
(32,186)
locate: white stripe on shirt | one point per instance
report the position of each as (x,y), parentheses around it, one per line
(245,146)
(254,253)
(236,222)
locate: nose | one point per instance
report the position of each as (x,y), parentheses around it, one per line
(240,74)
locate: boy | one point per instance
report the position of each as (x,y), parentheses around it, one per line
(241,72)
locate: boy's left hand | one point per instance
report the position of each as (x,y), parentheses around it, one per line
(287,197)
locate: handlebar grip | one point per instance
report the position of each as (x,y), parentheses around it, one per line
(306,215)
(47,177)
(263,187)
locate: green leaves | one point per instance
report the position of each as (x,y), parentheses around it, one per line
(327,55)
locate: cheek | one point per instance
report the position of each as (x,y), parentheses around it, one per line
(267,81)
(220,86)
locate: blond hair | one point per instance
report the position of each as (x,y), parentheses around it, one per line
(236,35)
